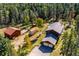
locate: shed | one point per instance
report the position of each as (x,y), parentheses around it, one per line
(11,32)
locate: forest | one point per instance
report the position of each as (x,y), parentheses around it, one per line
(29,14)
(11,13)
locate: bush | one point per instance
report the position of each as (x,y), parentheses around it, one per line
(39,22)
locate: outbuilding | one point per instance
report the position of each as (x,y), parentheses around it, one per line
(11,32)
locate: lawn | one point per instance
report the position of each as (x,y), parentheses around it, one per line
(41,36)
(39,40)
(57,48)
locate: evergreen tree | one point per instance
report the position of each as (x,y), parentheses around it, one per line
(5,47)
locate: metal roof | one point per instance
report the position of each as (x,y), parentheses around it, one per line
(50,39)
(57,26)
(10,30)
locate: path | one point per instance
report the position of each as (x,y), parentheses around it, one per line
(18,41)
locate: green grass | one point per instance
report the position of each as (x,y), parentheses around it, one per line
(34,36)
(41,36)
(44,28)
(2,33)
(39,40)
(57,47)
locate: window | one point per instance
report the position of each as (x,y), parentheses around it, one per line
(48,44)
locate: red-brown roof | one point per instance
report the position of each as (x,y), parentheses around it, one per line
(10,30)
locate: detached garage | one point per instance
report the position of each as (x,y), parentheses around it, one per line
(11,32)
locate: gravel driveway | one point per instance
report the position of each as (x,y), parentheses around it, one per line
(37,52)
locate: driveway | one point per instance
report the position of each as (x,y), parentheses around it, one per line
(18,41)
(37,51)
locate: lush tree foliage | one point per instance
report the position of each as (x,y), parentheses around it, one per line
(39,22)
(12,14)
(28,41)
(70,40)
(5,47)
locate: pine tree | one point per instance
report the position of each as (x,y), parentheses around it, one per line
(5,47)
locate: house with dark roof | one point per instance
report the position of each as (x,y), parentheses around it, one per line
(11,32)
(53,32)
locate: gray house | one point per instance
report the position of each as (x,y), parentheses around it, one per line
(55,28)
(52,34)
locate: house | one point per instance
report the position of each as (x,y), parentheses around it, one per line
(52,33)
(11,32)
(56,28)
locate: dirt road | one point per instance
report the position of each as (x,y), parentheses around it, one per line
(37,52)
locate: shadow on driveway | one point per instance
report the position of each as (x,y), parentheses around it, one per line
(45,49)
